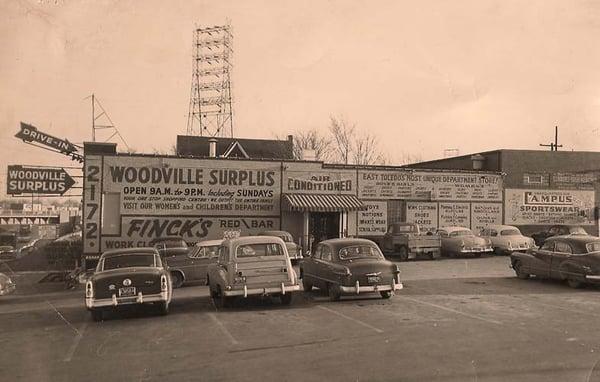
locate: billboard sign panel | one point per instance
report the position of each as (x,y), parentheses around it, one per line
(34,180)
(373,220)
(545,207)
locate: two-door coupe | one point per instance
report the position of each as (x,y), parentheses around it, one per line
(191,265)
(460,241)
(574,258)
(349,266)
(506,239)
(133,276)
(252,265)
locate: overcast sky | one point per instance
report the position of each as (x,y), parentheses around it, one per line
(422,76)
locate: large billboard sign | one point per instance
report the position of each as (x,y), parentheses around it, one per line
(424,185)
(33,180)
(545,207)
(175,186)
(300,178)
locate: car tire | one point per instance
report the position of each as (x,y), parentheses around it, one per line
(519,271)
(286,299)
(478,254)
(403,253)
(163,308)
(575,284)
(334,292)
(306,284)
(97,315)
(222,301)
(386,294)
(177,279)
(497,251)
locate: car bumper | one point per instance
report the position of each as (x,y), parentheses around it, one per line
(593,278)
(8,289)
(358,289)
(436,252)
(91,303)
(283,289)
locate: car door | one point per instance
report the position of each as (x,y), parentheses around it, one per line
(319,267)
(388,239)
(562,252)
(200,258)
(326,266)
(541,260)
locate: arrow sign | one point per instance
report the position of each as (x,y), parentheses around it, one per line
(31,180)
(29,133)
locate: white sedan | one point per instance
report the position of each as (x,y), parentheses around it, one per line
(506,239)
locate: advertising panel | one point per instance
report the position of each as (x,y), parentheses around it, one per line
(455,214)
(485,214)
(300,178)
(137,231)
(403,184)
(92,206)
(177,186)
(544,207)
(425,214)
(372,221)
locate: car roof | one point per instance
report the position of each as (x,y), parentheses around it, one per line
(575,238)
(499,227)
(346,242)
(454,228)
(273,232)
(209,243)
(125,251)
(242,240)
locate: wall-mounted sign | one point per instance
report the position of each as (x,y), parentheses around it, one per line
(301,179)
(183,187)
(30,133)
(33,180)
(485,214)
(443,186)
(373,220)
(545,207)
(137,231)
(425,214)
(455,214)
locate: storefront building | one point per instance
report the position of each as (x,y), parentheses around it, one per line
(131,199)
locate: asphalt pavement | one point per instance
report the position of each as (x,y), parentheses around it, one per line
(455,320)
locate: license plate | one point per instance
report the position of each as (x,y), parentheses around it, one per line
(126,291)
(372,279)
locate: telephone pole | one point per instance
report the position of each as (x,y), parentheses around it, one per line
(553,145)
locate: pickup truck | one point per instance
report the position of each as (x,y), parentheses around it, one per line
(407,242)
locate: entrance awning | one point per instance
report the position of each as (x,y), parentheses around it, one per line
(322,203)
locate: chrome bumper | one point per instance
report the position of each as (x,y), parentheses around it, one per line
(132,300)
(592,277)
(283,289)
(357,288)
(8,289)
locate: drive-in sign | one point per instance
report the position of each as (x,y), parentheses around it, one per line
(29,133)
(30,180)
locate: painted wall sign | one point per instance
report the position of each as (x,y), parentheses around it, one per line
(92,207)
(544,207)
(429,185)
(455,214)
(373,220)
(175,186)
(32,180)
(425,214)
(301,179)
(138,231)
(30,133)
(485,214)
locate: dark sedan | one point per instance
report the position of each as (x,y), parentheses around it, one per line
(349,266)
(557,230)
(574,258)
(134,276)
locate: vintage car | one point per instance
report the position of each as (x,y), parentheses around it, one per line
(349,266)
(170,246)
(192,265)
(252,265)
(408,242)
(574,258)
(460,241)
(6,285)
(126,277)
(506,239)
(294,250)
(556,230)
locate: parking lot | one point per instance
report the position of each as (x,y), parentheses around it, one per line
(455,320)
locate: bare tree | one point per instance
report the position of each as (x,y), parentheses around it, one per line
(366,151)
(343,137)
(353,147)
(312,140)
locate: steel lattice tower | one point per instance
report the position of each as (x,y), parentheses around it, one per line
(210,112)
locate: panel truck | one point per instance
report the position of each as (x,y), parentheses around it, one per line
(406,241)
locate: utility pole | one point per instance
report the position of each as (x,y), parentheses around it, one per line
(553,145)
(93,121)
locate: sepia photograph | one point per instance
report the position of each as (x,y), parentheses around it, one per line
(260,190)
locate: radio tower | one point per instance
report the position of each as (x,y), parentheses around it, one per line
(210,112)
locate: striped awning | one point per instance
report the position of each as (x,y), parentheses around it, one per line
(322,203)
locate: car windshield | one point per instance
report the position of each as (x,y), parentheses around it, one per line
(129,260)
(405,228)
(510,232)
(259,249)
(593,247)
(359,251)
(577,231)
(173,243)
(206,251)
(464,232)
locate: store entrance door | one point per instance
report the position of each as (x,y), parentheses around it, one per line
(324,225)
